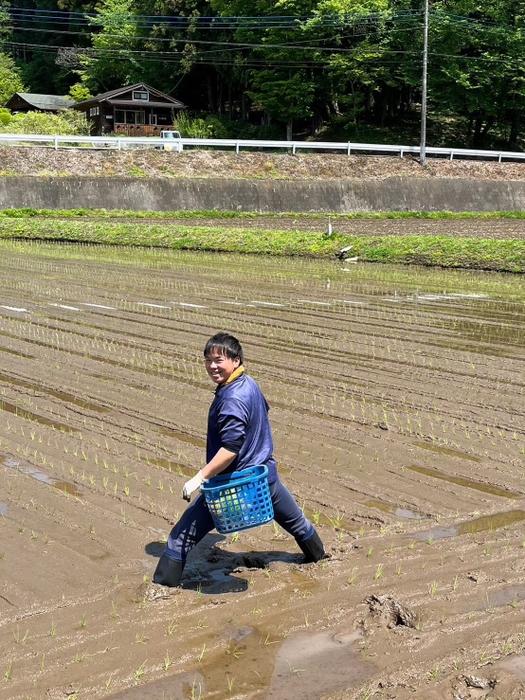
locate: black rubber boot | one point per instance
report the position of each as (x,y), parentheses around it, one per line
(312,548)
(168,571)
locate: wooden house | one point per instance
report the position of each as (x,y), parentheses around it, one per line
(135,110)
(22,102)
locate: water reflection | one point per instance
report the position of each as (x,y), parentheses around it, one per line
(399,512)
(35,418)
(446,451)
(467,483)
(29,470)
(471,527)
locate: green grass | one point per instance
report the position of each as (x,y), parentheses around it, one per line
(443,251)
(216,214)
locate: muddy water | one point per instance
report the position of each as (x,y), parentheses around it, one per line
(25,468)
(397,404)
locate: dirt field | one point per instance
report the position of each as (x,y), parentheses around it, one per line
(464,228)
(398,407)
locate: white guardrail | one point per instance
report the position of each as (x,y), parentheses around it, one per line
(176,145)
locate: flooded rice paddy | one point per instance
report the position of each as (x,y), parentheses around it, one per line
(398,406)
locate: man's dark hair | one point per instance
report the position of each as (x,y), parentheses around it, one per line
(226,344)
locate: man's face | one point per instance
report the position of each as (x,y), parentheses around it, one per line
(220,367)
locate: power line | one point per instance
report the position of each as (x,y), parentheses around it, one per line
(178,56)
(241,21)
(299,45)
(211,22)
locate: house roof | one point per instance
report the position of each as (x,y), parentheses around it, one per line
(113,95)
(45,102)
(143,103)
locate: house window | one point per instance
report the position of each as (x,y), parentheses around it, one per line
(129,117)
(141,95)
(94,111)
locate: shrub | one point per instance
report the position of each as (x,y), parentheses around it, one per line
(214,127)
(69,122)
(209,127)
(5,116)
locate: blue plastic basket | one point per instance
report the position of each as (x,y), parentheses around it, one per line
(240,500)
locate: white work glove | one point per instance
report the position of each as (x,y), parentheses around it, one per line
(192,485)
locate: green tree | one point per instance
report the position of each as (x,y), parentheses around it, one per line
(477,68)
(114,60)
(10,80)
(79,92)
(283,95)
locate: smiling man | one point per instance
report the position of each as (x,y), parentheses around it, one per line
(239,436)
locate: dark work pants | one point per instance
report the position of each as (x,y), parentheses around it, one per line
(196,522)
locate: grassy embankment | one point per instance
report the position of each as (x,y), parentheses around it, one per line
(100,226)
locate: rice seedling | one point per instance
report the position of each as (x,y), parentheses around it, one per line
(141,670)
(294,671)
(353,577)
(196,690)
(233,649)
(434,673)
(230,680)
(506,648)
(167,662)
(484,658)
(18,638)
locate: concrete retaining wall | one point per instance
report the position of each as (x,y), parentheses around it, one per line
(343,196)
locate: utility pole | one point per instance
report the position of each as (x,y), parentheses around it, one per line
(422,148)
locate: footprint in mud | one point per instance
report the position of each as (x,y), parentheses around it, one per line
(150,592)
(311,665)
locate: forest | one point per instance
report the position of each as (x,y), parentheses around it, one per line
(314,69)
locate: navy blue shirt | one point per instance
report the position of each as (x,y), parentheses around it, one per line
(238,421)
